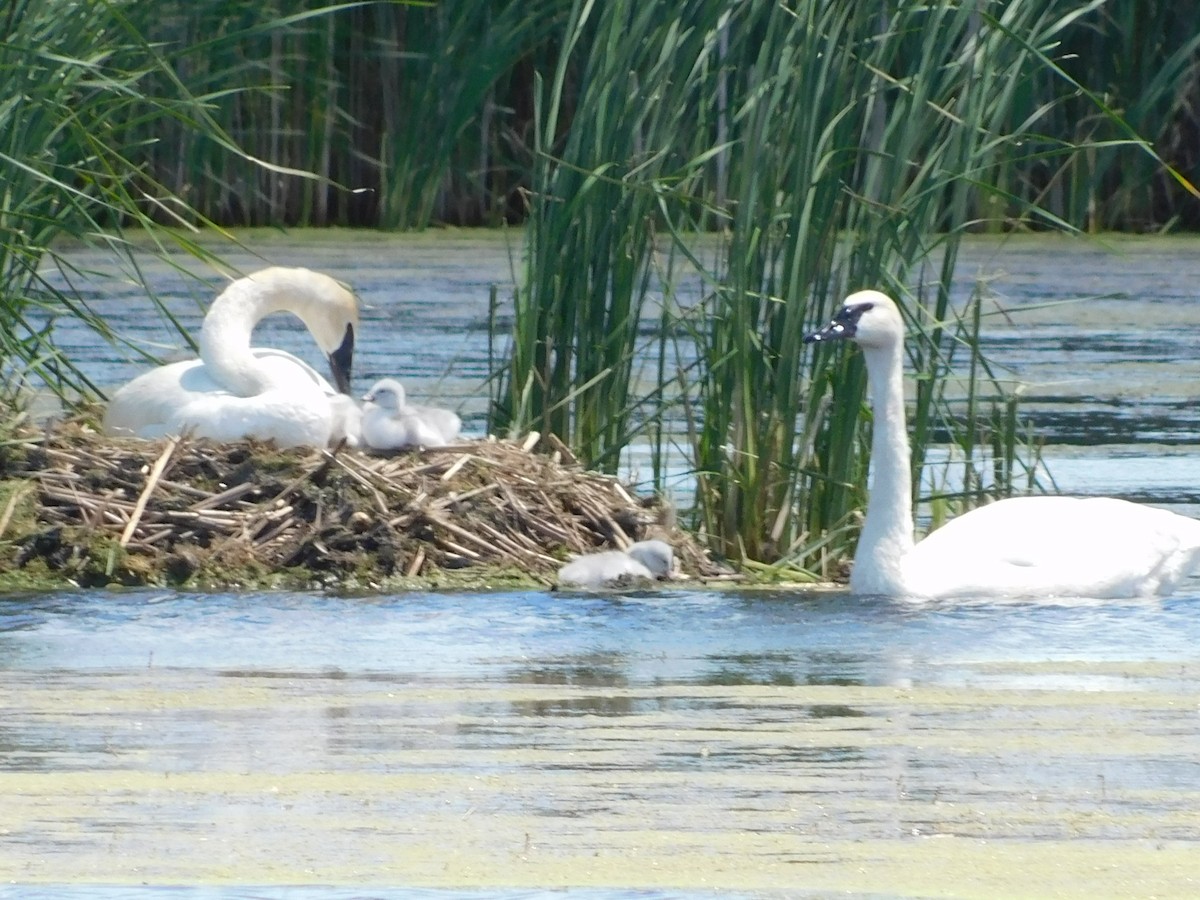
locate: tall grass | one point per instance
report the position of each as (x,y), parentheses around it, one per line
(591,226)
(65,166)
(426,109)
(410,111)
(850,147)
(84,90)
(1135,67)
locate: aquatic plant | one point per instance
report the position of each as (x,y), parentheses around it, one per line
(591,226)
(425,109)
(872,180)
(1129,120)
(73,104)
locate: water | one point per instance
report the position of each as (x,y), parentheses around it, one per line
(687,741)
(684,743)
(1101,337)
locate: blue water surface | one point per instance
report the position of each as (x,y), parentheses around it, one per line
(652,638)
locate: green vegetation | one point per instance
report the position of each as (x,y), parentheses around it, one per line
(869,181)
(427,110)
(82,90)
(777,155)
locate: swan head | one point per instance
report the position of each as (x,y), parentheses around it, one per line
(333,321)
(657,556)
(341,360)
(869,318)
(387,393)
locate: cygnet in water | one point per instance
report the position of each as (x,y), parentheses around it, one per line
(389,422)
(643,561)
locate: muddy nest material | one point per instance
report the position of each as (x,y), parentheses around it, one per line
(99,510)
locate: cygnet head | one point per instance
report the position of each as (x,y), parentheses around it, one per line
(387,393)
(869,318)
(657,556)
(327,307)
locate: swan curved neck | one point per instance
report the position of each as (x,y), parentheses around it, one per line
(887,535)
(225,334)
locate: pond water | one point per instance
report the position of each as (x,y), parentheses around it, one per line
(687,741)
(1102,336)
(683,743)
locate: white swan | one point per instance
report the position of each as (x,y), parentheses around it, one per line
(233,391)
(1029,547)
(643,561)
(389,422)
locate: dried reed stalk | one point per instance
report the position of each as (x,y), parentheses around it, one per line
(487,502)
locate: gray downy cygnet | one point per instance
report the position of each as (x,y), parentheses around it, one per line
(643,561)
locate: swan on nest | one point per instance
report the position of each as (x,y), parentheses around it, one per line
(234,391)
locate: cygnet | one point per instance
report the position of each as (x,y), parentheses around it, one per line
(643,561)
(389,422)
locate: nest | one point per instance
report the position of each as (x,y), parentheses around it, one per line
(191,511)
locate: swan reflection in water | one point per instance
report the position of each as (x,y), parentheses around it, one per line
(1025,547)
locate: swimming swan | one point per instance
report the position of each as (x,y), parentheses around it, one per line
(1100,547)
(643,561)
(233,391)
(390,422)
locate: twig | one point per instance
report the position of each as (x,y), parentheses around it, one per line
(418,560)
(156,472)
(454,469)
(10,507)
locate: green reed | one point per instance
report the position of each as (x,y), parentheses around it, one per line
(598,189)
(63,157)
(1130,121)
(84,92)
(420,112)
(833,148)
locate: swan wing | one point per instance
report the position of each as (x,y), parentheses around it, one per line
(286,366)
(144,406)
(183,396)
(1098,547)
(297,417)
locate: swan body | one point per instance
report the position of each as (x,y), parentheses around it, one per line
(643,561)
(347,420)
(234,391)
(1021,547)
(390,422)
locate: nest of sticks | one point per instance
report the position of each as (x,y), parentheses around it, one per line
(182,511)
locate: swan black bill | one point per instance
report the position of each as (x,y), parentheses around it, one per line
(341,360)
(843,326)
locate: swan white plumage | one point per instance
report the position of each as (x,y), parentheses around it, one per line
(234,391)
(390,422)
(643,561)
(1022,547)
